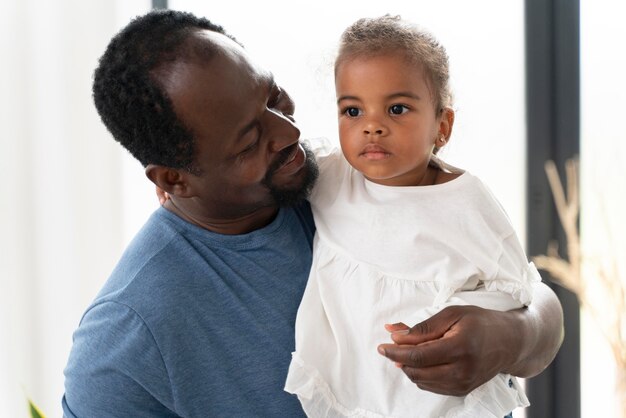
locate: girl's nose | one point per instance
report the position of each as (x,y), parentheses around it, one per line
(373,127)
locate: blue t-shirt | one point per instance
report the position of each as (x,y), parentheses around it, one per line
(193,323)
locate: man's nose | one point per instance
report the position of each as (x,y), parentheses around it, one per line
(283,131)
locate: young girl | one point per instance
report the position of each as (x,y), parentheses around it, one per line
(400,235)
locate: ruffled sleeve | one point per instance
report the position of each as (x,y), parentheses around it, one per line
(515,275)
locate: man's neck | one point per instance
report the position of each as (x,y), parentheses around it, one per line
(252,221)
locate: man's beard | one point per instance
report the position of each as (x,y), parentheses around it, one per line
(286,196)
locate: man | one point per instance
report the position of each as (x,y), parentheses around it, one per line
(197,318)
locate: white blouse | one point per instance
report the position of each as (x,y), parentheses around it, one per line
(398,254)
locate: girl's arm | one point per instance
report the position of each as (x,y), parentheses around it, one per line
(462,347)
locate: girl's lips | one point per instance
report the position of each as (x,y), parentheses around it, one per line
(374,152)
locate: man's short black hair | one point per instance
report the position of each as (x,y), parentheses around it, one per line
(127,93)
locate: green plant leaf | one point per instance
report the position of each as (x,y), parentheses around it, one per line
(34,411)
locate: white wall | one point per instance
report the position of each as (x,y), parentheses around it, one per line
(61,219)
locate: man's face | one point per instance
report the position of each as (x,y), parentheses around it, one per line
(247,150)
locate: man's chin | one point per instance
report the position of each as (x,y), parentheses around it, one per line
(294,195)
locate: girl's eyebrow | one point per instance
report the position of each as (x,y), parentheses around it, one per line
(347,98)
(404,94)
(395,95)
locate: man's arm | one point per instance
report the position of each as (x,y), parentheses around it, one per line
(540,333)
(462,347)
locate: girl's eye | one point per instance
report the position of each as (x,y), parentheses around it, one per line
(398,109)
(352,112)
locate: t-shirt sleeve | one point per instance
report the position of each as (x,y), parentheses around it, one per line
(115,368)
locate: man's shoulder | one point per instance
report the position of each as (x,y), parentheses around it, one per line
(297,227)
(167,258)
(150,252)
(303,211)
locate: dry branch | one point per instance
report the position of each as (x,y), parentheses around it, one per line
(602,292)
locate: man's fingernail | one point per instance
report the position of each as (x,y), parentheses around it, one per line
(381,350)
(402,331)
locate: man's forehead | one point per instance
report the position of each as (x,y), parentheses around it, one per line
(211,56)
(222,48)
(224,90)
(214,41)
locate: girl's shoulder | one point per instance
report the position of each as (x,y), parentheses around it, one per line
(445,176)
(447,172)
(329,159)
(322,148)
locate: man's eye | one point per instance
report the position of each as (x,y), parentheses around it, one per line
(250,147)
(352,112)
(283,103)
(275,99)
(398,109)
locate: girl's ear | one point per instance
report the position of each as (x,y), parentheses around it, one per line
(172,181)
(445,126)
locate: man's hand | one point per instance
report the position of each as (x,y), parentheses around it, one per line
(454,351)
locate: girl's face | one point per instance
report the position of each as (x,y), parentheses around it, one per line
(388,125)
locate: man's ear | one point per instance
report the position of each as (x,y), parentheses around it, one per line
(174,182)
(446,123)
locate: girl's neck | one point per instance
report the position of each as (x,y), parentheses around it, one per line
(430,176)
(433,174)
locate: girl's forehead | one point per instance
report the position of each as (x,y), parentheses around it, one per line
(400,57)
(382,75)
(382,65)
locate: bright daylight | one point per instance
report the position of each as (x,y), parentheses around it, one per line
(324,216)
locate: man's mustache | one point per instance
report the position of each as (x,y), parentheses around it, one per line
(281,159)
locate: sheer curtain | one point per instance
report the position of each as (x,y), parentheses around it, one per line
(61,211)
